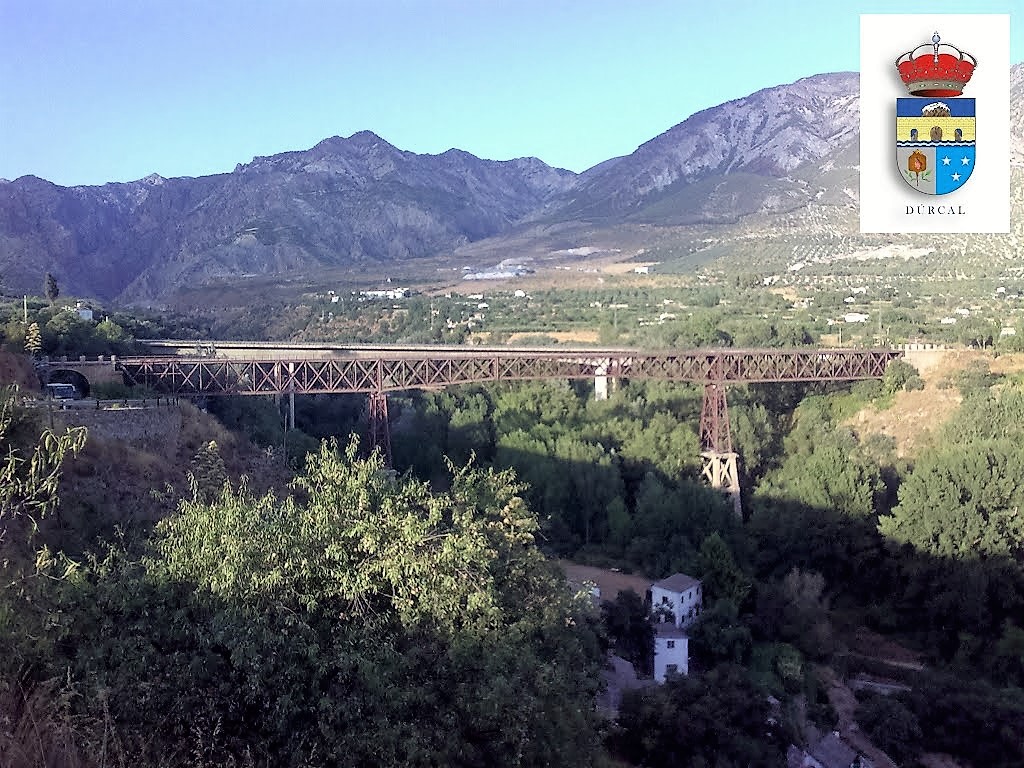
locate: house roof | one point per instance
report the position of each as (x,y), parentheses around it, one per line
(677,582)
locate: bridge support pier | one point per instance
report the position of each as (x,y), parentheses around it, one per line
(291,395)
(380,429)
(601,384)
(720,461)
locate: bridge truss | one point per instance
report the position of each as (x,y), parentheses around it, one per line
(391,371)
(379,370)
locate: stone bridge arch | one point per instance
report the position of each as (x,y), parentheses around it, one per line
(69,376)
(82,374)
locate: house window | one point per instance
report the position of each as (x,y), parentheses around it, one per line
(664,600)
(671,669)
(671,643)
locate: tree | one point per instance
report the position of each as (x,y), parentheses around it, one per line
(720,575)
(50,289)
(968,719)
(33,340)
(963,501)
(359,620)
(207,472)
(28,485)
(719,720)
(719,635)
(796,610)
(975,379)
(756,438)
(831,473)
(629,628)
(890,725)
(896,376)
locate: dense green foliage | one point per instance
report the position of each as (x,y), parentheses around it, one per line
(615,480)
(615,483)
(890,725)
(963,499)
(62,332)
(718,719)
(627,622)
(359,620)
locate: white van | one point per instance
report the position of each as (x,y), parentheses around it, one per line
(62,392)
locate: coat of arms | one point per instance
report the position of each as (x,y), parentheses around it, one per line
(935,127)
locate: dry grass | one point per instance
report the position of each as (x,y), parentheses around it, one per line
(609,582)
(115,483)
(623,267)
(914,418)
(562,337)
(17,369)
(37,729)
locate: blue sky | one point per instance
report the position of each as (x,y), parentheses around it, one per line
(112,90)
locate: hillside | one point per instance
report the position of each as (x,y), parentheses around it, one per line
(135,465)
(732,160)
(913,418)
(767,180)
(344,202)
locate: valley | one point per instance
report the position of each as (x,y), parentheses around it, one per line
(228,582)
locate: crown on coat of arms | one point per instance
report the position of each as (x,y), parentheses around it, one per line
(943,70)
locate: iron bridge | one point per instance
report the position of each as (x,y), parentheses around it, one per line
(316,369)
(261,368)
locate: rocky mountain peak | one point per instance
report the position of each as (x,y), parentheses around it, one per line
(770,133)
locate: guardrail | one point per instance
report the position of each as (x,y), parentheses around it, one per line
(91,403)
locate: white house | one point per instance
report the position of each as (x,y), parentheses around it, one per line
(82,311)
(675,603)
(855,317)
(671,651)
(679,595)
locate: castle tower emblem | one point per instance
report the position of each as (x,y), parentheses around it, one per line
(935,126)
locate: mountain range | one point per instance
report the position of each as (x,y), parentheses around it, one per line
(361,201)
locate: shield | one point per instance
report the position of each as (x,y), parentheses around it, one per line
(935,141)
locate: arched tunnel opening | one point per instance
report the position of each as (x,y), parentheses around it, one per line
(74,378)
